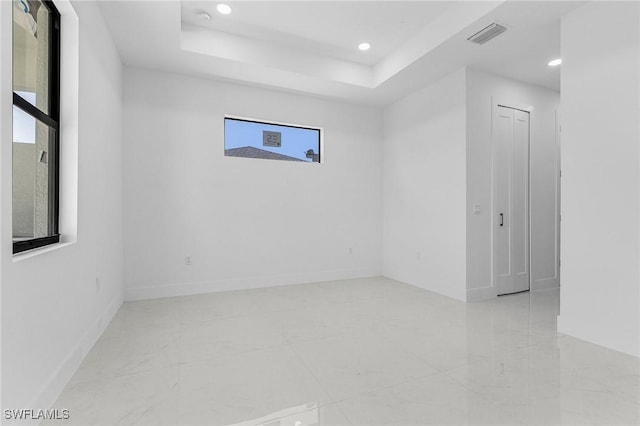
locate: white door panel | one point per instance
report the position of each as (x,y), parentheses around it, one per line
(511,139)
(503,128)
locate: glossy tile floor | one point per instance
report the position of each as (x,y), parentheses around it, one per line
(357,352)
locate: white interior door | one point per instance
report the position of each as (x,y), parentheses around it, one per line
(511,138)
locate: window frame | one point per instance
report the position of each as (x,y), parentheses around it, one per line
(52,120)
(320,131)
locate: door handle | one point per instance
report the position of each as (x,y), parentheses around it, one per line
(501,219)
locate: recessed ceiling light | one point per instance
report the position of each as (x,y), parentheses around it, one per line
(223,8)
(555,62)
(364,46)
(204,15)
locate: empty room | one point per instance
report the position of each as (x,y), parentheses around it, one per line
(461,246)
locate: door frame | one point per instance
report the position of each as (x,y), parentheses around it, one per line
(495,103)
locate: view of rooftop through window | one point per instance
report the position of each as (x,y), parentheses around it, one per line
(254,139)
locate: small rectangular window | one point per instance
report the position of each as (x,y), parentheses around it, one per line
(270,141)
(36,106)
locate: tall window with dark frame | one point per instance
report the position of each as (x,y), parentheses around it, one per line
(36,124)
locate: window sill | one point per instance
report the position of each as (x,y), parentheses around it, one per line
(38,251)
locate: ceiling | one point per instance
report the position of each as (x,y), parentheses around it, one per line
(327,28)
(311,46)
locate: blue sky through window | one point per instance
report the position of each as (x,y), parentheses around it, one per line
(295,141)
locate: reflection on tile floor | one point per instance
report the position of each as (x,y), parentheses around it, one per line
(357,352)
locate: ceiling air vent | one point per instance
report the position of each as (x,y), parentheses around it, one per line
(487,33)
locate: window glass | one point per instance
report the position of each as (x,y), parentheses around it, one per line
(255,139)
(31,51)
(31,191)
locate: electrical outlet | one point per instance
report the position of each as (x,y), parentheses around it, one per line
(351,250)
(187,260)
(418,255)
(97,284)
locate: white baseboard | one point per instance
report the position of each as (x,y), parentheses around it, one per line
(482,293)
(544,284)
(51,390)
(453,292)
(200,287)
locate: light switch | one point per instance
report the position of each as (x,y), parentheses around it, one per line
(476,209)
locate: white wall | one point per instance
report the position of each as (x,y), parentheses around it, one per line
(52,312)
(245,222)
(483,89)
(425,186)
(600,175)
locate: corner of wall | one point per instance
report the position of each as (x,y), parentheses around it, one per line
(424,187)
(600,43)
